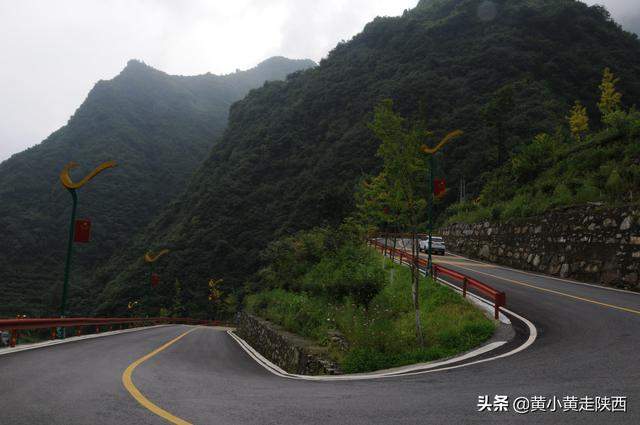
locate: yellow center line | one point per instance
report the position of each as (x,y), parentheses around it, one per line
(135,393)
(575,297)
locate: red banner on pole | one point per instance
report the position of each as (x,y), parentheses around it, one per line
(439,187)
(82,231)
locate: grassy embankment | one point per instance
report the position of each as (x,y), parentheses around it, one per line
(560,170)
(345,286)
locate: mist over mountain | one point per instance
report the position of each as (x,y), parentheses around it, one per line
(633,23)
(295,150)
(157,127)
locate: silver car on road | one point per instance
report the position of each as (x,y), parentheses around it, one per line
(437,245)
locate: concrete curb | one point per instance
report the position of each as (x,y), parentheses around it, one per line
(417,369)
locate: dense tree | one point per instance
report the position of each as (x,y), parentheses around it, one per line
(158,128)
(610,98)
(551,171)
(295,151)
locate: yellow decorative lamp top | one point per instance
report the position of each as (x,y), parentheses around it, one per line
(443,142)
(66,181)
(150,258)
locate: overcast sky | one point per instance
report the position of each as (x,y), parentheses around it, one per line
(54,51)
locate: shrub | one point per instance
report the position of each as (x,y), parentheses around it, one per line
(353,289)
(526,164)
(587,193)
(615,186)
(354,271)
(562,195)
(517,207)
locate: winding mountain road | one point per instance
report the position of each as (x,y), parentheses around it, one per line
(588,344)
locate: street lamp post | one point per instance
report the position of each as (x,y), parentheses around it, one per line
(431,152)
(67,265)
(72,187)
(150,258)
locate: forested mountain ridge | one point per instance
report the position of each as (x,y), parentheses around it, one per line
(157,127)
(294,150)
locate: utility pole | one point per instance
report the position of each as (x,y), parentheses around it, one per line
(150,259)
(462,190)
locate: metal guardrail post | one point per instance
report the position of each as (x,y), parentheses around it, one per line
(500,301)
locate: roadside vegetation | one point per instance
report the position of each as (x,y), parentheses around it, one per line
(328,285)
(322,282)
(294,150)
(573,166)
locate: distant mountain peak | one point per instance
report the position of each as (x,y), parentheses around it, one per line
(135,66)
(282,59)
(273,66)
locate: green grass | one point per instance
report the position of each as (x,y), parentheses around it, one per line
(382,335)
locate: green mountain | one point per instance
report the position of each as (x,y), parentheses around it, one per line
(294,150)
(571,167)
(157,127)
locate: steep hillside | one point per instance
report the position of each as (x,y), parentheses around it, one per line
(573,167)
(294,150)
(157,127)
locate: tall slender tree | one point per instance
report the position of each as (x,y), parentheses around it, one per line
(404,168)
(610,98)
(578,121)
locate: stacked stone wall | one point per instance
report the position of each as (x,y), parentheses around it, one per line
(590,243)
(290,352)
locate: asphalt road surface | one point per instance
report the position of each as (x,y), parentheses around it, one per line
(588,345)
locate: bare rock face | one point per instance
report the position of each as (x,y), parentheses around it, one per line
(589,243)
(626,224)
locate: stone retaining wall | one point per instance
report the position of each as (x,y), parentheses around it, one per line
(291,352)
(590,243)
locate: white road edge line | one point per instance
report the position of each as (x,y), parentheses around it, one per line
(27,347)
(559,279)
(401,372)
